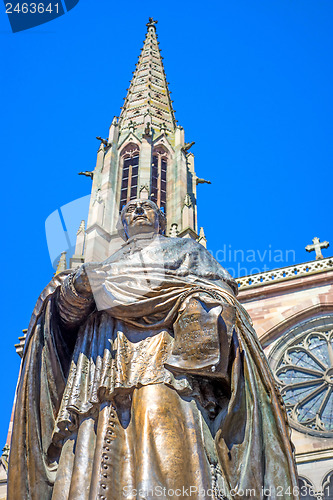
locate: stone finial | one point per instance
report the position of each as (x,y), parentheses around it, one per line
(187,213)
(151,23)
(5,452)
(80,239)
(202,238)
(317,246)
(82,227)
(62,264)
(144,193)
(4,458)
(173,232)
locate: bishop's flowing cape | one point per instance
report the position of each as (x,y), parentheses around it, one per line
(69,372)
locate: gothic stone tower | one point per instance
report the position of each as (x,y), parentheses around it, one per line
(145,156)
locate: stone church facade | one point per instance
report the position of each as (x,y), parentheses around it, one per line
(292,312)
(145,156)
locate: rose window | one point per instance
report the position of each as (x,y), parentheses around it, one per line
(305,376)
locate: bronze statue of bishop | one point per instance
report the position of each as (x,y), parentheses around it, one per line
(142,378)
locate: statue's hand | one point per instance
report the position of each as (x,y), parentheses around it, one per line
(81,282)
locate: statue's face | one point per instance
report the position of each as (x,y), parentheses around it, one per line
(140,217)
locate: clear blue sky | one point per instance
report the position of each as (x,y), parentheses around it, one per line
(252,85)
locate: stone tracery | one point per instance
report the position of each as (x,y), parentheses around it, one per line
(305,376)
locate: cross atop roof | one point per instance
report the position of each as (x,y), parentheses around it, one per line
(317,246)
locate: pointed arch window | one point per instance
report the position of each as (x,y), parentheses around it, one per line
(306,489)
(328,486)
(159,177)
(129,161)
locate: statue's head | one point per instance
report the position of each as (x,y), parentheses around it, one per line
(141,216)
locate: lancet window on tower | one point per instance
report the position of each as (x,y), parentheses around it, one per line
(129,160)
(159,177)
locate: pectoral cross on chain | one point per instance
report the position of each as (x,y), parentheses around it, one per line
(317,246)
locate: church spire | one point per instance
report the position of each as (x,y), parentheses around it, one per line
(148,97)
(62,264)
(145,156)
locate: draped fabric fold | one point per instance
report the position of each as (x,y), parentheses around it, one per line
(41,384)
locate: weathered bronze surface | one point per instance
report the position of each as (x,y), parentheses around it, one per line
(142,378)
